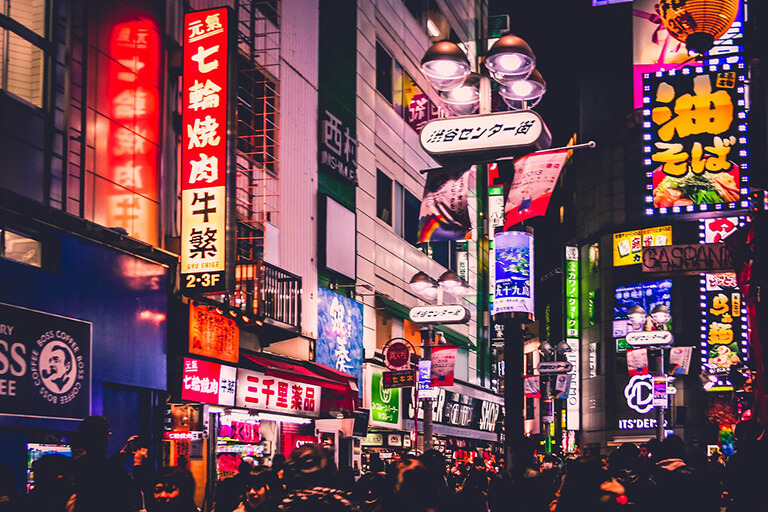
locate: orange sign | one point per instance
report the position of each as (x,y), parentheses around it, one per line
(212,335)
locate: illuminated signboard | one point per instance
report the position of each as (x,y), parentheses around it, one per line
(695,136)
(724,333)
(572,292)
(206,153)
(513,252)
(212,335)
(208,383)
(256,390)
(655,50)
(712,231)
(127,140)
(628,246)
(641,307)
(340,333)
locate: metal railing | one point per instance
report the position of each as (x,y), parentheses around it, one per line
(268,292)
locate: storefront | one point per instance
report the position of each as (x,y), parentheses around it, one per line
(465,422)
(71,350)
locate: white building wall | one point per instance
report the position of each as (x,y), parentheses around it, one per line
(387,142)
(297,239)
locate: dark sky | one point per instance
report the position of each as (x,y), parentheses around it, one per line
(576,46)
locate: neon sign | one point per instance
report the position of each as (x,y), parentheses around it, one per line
(205,151)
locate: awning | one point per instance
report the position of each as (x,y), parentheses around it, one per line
(339,389)
(400,311)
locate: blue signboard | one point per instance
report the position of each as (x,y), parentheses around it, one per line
(340,333)
(641,307)
(514,272)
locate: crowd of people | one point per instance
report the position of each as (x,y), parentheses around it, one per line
(657,477)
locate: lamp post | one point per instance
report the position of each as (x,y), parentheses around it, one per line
(430,289)
(511,63)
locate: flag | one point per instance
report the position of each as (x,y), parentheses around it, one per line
(531,386)
(444,213)
(680,360)
(443,364)
(637,361)
(562,385)
(535,177)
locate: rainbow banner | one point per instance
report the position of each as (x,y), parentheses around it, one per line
(444,213)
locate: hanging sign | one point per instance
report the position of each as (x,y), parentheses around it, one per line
(400,379)
(687,258)
(397,354)
(206,150)
(554,367)
(209,383)
(426,391)
(443,364)
(485,137)
(443,314)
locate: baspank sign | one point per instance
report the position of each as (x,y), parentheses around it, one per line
(262,392)
(45,364)
(206,152)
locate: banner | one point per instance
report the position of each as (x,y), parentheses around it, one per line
(637,361)
(680,360)
(339,333)
(45,364)
(444,213)
(443,364)
(562,385)
(531,386)
(426,391)
(535,177)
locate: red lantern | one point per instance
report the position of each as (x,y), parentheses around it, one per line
(698,23)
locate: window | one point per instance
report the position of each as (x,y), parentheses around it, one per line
(529,409)
(383,197)
(22,59)
(20,248)
(384,68)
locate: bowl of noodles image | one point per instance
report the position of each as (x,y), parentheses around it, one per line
(695,188)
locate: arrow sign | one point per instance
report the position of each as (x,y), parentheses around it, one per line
(448,314)
(554,367)
(649,338)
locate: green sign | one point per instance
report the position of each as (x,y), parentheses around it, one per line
(385,402)
(571,292)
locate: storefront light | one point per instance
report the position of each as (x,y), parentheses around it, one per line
(283,418)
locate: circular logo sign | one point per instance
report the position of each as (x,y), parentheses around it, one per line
(57,367)
(639,393)
(397,355)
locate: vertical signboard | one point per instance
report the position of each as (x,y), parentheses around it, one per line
(513,292)
(695,131)
(206,153)
(212,335)
(384,403)
(340,333)
(572,292)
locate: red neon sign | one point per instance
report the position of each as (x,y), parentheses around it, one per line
(129,134)
(204,150)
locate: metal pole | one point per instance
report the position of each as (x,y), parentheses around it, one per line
(513,383)
(427,334)
(660,427)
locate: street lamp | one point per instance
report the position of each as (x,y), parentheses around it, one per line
(429,289)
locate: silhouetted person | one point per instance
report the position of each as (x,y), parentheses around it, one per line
(745,471)
(98,482)
(53,485)
(229,491)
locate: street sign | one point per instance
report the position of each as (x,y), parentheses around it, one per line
(401,379)
(485,137)
(554,367)
(649,338)
(447,314)
(397,355)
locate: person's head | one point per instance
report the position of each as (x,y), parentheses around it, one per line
(643,453)
(92,437)
(369,490)
(53,474)
(309,465)
(748,432)
(672,448)
(261,484)
(174,487)
(434,461)
(59,362)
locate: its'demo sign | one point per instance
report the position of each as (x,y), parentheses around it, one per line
(44,364)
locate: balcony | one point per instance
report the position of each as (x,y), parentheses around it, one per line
(272,295)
